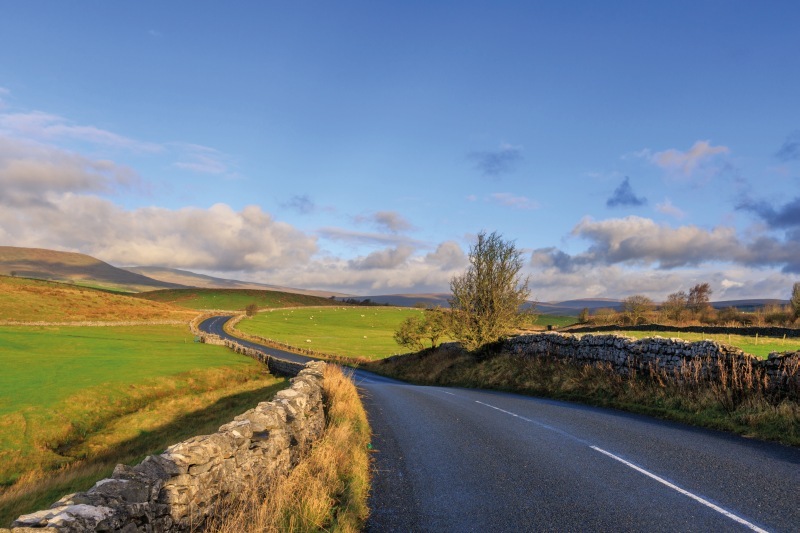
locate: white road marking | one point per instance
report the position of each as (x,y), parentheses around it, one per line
(682,491)
(661,480)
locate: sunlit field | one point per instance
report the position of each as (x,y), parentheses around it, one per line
(347,331)
(74,401)
(233,299)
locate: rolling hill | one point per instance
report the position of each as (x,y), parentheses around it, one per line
(192,279)
(70,267)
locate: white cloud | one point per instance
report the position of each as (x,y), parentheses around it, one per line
(688,162)
(33,174)
(364,238)
(636,239)
(515,202)
(201,159)
(391,221)
(667,208)
(44,126)
(388,258)
(216,238)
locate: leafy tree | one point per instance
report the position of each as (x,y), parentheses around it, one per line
(487,297)
(583,317)
(251,309)
(410,333)
(432,326)
(795,300)
(698,300)
(636,307)
(675,305)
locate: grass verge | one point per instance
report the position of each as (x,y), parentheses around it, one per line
(739,405)
(328,490)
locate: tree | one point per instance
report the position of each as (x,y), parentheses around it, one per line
(697,301)
(636,307)
(251,309)
(583,317)
(795,301)
(409,333)
(486,300)
(432,326)
(675,305)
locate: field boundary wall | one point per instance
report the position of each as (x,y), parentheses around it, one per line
(180,488)
(673,358)
(710,330)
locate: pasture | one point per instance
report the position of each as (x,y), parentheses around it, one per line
(233,299)
(346,331)
(74,401)
(757,346)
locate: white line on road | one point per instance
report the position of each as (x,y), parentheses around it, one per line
(661,480)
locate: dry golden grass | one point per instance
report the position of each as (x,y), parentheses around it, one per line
(328,490)
(736,401)
(156,416)
(26,300)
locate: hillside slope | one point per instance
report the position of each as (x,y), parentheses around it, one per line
(29,300)
(192,279)
(39,263)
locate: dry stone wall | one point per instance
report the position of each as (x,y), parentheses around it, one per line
(674,357)
(178,489)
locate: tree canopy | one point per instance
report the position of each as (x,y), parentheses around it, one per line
(487,299)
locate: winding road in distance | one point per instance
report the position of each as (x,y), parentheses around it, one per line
(451,459)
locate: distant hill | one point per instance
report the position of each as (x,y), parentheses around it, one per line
(566,308)
(191,279)
(71,267)
(748,305)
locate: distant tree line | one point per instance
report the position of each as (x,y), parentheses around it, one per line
(694,307)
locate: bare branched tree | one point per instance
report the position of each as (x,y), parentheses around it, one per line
(637,307)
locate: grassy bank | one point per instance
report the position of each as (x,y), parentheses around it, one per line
(328,490)
(75,401)
(741,409)
(27,300)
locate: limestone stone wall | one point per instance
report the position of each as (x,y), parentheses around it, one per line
(673,356)
(178,489)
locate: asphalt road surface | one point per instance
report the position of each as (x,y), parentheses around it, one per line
(450,459)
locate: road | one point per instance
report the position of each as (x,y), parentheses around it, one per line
(451,459)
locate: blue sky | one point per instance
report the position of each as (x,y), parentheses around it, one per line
(626,147)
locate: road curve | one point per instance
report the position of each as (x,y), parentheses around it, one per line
(452,459)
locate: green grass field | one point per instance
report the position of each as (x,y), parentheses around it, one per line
(554,320)
(760,347)
(59,384)
(347,331)
(80,394)
(234,299)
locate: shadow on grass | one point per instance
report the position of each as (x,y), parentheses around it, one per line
(39,493)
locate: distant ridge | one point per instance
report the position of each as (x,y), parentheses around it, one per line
(71,267)
(192,279)
(566,308)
